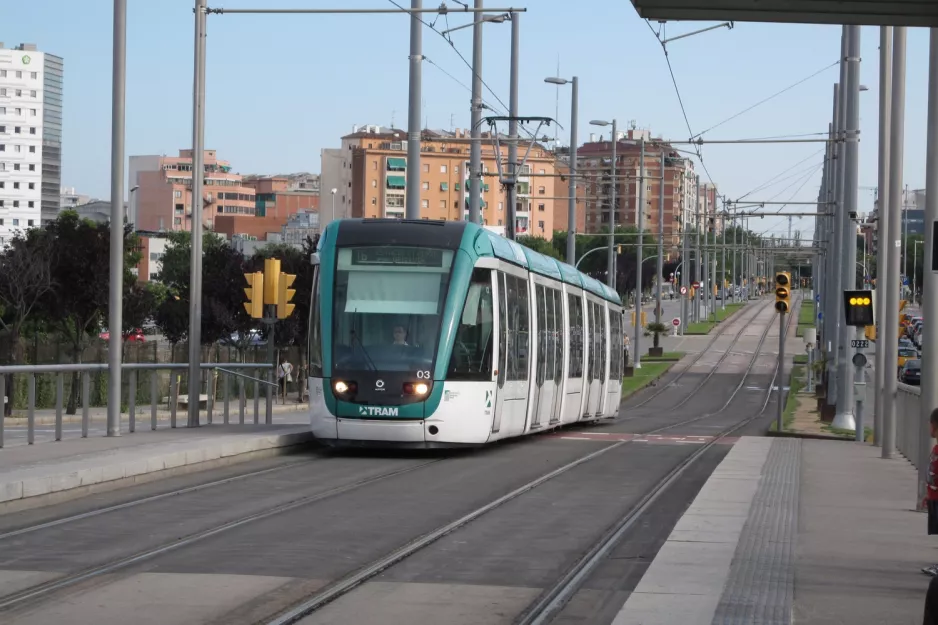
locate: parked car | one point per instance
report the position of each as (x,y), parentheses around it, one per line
(134,336)
(911,373)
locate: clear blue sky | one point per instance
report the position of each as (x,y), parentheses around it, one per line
(280,88)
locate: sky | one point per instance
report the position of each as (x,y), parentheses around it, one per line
(282,87)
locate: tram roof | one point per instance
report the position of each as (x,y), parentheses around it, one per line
(851,12)
(542,264)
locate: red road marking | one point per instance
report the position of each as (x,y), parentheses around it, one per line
(641,438)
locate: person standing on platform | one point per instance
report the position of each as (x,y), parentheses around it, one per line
(930,501)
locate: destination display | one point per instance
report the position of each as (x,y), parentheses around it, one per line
(401,256)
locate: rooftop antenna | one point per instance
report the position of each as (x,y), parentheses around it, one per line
(557,103)
(393,114)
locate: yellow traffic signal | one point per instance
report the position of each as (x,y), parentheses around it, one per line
(271,277)
(783,292)
(285,295)
(858,308)
(255,293)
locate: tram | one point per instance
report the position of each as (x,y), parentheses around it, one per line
(444,334)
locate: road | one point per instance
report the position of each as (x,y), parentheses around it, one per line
(446,538)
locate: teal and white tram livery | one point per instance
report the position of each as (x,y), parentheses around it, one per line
(441,333)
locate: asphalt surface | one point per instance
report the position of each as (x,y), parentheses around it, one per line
(281,529)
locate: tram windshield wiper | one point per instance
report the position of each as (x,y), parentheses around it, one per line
(370,362)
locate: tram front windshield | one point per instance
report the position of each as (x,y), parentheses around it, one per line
(388,305)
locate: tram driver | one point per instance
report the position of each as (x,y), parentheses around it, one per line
(400,335)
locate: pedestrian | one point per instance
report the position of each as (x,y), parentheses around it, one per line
(284,376)
(930,501)
(931,603)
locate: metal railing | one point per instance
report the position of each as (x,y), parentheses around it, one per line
(909,426)
(84,372)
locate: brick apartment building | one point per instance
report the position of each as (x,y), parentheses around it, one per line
(367,177)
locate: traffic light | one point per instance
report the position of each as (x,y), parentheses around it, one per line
(271,278)
(285,295)
(858,308)
(255,293)
(782,292)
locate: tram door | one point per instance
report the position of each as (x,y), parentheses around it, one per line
(596,374)
(573,387)
(511,394)
(544,387)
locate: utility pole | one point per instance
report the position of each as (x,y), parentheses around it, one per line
(412,210)
(512,128)
(611,265)
(640,216)
(571,207)
(685,270)
(736,281)
(844,417)
(195,258)
(836,239)
(475,133)
(890,325)
(723,252)
(929,398)
(660,241)
(116,290)
(697,258)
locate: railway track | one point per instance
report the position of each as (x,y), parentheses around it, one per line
(725,332)
(545,607)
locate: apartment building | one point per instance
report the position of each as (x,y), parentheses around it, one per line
(281,196)
(161,192)
(31,88)
(666,174)
(367,177)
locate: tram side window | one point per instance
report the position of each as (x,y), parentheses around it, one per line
(472,350)
(575,353)
(315,329)
(597,343)
(615,345)
(550,335)
(503,330)
(519,326)
(558,336)
(541,334)
(602,342)
(591,326)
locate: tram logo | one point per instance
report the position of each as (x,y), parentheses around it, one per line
(377,411)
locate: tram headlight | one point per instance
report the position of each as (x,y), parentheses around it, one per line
(416,388)
(342,388)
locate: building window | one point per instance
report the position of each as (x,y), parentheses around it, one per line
(32,93)
(34,75)
(444,186)
(16,204)
(19,74)
(16,167)
(374,184)
(16,222)
(31,204)
(2,184)
(16,185)
(541,171)
(442,169)
(16,129)
(374,165)
(177,193)
(19,93)
(374,201)
(3,73)
(32,112)
(32,130)
(3,92)
(31,168)
(425,186)
(32,149)
(426,168)
(32,185)
(3,148)
(425,203)
(501,206)
(541,191)
(442,204)
(540,225)
(30,222)
(455,169)
(540,207)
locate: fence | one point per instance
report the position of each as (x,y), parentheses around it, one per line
(170,376)
(913,438)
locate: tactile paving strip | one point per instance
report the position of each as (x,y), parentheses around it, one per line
(760,588)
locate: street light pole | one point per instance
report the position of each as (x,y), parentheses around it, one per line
(640,213)
(115,294)
(723,259)
(571,206)
(513,128)
(697,257)
(198,177)
(475,132)
(685,270)
(413,112)
(660,241)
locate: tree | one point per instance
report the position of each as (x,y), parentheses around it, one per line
(540,245)
(80,270)
(141,301)
(25,279)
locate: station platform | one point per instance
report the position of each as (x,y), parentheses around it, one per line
(793,531)
(50,472)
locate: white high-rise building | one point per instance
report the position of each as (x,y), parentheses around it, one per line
(30,138)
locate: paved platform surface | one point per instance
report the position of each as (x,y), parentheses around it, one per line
(793,531)
(39,470)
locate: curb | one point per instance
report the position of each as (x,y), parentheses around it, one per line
(809,436)
(142,416)
(93,473)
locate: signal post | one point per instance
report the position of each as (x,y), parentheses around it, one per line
(270,290)
(783,306)
(858,313)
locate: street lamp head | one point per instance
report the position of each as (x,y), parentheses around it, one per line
(864,88)
(599,122)
(556,81)
(334,191)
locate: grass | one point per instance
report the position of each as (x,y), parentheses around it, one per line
(795,384)
(801,359)
(805,317)
(704,327)
(649,372)
(664,356)
(867,432)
